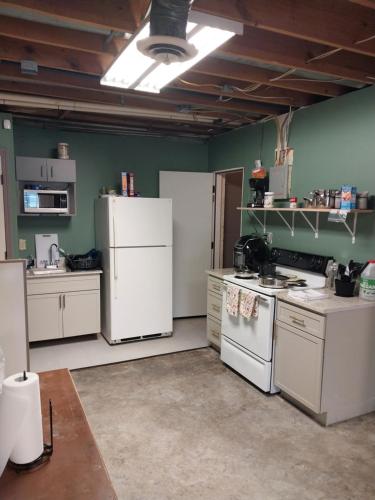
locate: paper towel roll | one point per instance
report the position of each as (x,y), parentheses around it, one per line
(21,428)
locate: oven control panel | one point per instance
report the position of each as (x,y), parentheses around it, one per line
(300,260)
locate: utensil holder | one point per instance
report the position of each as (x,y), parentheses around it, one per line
(344,288)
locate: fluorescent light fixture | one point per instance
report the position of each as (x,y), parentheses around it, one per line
(134,70)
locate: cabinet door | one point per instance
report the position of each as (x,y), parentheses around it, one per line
(44,316)
(299,365)
(81,313)
(31,169)
(61,170)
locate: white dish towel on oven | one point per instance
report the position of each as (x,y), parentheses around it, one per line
(249,304)
(233,297)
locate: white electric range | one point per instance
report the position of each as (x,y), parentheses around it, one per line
(247,345)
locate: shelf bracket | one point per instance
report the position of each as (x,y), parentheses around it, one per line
(353,231)
(262,224)
(290,227)
(314,228)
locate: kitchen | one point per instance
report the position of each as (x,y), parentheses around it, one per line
(333,146)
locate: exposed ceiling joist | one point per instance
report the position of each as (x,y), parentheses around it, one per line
(281,50)
(82,83)
(70,60)
(247,73)
(336,22)
(229,87)
(109,14)
(365,3)
(55,36)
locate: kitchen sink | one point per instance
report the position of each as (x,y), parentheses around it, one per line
(41,272)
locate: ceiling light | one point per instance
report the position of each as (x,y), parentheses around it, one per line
(134,70)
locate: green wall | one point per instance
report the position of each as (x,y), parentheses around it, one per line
(100,159)
(334,144)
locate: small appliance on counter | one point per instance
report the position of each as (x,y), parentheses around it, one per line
(259,185)
(249,253)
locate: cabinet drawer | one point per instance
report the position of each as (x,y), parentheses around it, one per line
(297,317)
(61,284)
(214,285)
(298,363)
(213,331)
(214,306)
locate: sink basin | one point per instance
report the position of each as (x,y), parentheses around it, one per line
(41,272)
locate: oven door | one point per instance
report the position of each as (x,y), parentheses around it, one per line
(256,334)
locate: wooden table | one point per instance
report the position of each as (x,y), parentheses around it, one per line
(76,470)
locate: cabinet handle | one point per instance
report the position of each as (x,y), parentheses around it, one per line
(59,301)
(41,170)
(216,308)
(51,172)
(216,287)
(297,321)
(63,301)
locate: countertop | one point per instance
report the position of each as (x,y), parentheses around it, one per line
(219,273)
(31,276)
(332,304)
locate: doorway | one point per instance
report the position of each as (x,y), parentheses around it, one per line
(4,213)
(228,188)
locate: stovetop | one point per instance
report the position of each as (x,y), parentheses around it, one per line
(313,280)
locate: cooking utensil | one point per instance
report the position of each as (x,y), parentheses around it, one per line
(273,281)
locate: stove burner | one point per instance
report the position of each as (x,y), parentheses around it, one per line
(245,276)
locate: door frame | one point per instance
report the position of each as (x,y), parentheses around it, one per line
(6,200)
(219,206)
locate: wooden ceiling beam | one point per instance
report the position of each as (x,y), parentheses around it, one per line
(365,3)
(51,78)
(55,36)
(228,87)
(247,73)
(281,50)
(71,60)
(109,14)
(336,23)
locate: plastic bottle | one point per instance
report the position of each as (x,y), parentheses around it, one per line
(2,368)
(367,282)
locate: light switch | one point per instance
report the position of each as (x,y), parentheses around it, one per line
(22,244)
(7,124)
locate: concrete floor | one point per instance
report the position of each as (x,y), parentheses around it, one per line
(184,426)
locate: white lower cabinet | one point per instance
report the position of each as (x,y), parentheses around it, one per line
(299,365)
(44,315)
(63,307)
(81,313)
(214,300)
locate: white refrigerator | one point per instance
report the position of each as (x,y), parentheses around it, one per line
(135,238)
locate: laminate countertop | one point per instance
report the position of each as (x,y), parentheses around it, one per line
(220,273)
(69,274)
(331,304)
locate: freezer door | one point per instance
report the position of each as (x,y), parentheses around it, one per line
(256,334)
(138,222)
(141,291)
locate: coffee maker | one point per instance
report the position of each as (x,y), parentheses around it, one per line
(257,189)
(250,253)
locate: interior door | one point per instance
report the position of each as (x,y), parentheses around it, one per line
(3,247)
(191,194)
(141,291)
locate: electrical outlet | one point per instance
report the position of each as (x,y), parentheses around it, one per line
(22,244)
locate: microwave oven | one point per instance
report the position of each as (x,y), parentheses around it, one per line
(45,201)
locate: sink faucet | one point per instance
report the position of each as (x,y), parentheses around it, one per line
(52,254)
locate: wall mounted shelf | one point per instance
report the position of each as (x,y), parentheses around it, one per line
(314,225)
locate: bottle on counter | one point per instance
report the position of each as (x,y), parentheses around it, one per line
(367,281)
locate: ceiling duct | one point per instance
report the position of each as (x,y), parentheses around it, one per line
(167,41)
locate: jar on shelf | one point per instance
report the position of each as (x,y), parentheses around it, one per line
(293,202)
(268,199)
(362,200)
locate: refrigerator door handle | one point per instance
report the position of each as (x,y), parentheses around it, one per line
(114,251)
